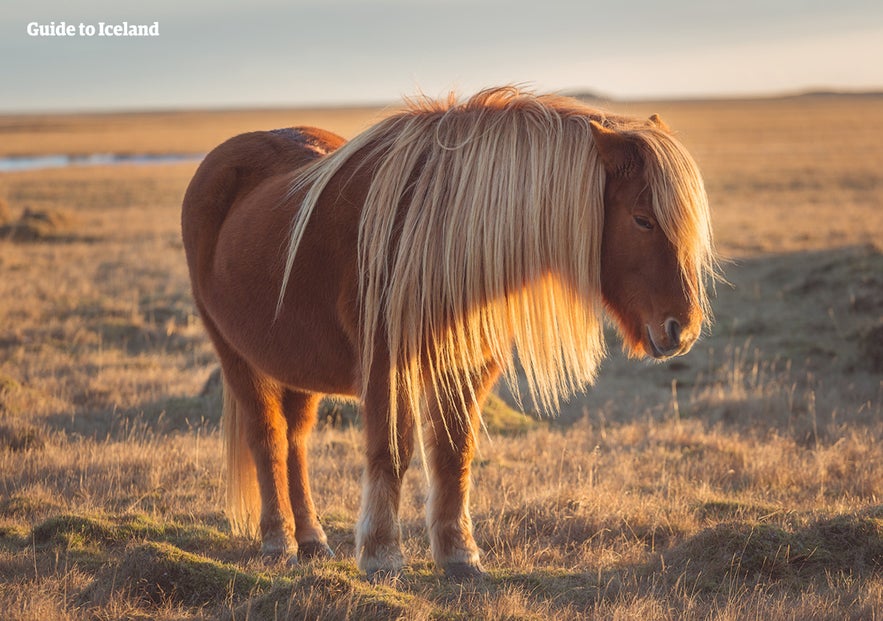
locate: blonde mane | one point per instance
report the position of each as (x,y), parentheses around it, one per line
(480,239)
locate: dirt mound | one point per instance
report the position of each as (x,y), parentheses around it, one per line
(34,225)
(160,573)
(331,593)
(716,556)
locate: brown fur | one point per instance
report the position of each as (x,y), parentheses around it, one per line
(345,322)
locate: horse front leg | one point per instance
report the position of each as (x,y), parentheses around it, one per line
(301,411)
(378,532)
(452,431)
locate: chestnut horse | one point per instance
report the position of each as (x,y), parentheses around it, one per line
(413,265)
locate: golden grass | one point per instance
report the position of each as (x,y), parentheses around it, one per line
(742,481)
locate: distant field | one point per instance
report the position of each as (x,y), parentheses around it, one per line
(162,132)
(741,481)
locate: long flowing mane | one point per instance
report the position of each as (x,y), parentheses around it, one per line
(481,229)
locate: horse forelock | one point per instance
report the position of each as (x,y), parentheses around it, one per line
(681,206)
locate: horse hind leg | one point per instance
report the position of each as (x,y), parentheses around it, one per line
(452,429)
(301,412)
(256,413)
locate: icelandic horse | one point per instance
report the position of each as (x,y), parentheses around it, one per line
(410,267)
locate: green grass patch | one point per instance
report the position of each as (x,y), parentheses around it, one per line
(333,591)
(159,573)
(500,418)
(78,530)
(719,510)
(13,536)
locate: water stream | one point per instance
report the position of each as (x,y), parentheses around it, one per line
(36,162)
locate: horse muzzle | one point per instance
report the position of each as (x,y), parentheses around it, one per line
(673,340)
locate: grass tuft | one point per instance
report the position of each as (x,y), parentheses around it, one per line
(717,557)
(332,591)
(160,573)
(500,418)
(105,531)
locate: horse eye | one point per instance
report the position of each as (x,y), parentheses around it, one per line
(644,222)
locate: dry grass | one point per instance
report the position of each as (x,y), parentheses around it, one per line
(740,482)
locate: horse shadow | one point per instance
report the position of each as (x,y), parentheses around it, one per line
(725,558)
(780,320)
(723,561)
(818,310)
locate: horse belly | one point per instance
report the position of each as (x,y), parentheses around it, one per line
(310,345)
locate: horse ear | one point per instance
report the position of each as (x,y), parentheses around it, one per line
(618,154)
(656,120)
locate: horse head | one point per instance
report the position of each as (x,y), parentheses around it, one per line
(650,285)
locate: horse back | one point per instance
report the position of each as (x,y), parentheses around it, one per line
(234,169)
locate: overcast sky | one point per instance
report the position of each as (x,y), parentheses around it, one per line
(287,53)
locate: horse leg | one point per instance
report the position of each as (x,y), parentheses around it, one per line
(450,437)
(260,408)
(301,411)
(378,533)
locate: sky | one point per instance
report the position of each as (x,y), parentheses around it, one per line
(269,53)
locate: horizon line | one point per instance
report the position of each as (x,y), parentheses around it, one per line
(585,94)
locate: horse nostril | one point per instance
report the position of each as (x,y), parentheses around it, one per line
(673,330)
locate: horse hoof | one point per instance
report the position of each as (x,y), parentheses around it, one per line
(311,550)
(461,572)
(382,562)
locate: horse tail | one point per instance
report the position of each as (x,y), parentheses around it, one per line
(243,495)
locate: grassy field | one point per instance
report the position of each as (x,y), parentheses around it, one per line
(742,481)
